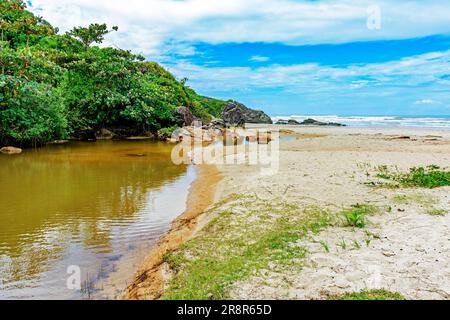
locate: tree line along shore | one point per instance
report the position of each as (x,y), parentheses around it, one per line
(55,86)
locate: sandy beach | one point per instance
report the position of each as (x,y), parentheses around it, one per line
(403,247)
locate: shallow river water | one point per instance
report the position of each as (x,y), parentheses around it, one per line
(96,208)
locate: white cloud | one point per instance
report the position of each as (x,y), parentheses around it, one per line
(427,102)
(146,25)
(259,59)
(409,73)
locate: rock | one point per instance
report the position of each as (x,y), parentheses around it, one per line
(216,124)
(10,150)
(104,134)
(388,253)
(310,122)
(318,123)
(58,142)
(139,138)
(172,140)
(233,115)
(183,116)
(237,114)
(85,135)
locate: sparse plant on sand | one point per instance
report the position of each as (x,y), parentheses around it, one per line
(325,246)
(437,212)
(356,244)
(356,215)
(423,177)
(343,244)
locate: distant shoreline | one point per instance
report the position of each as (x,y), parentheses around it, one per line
(376,122)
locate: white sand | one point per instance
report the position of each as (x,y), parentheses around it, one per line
(411,251)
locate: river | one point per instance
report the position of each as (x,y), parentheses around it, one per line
(96,207)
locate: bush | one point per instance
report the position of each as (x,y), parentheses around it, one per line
(30,113)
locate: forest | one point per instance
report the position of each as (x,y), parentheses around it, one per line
(57,86)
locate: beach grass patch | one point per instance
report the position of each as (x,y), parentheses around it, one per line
(437,212)
(422,177)
(234,247)
(370,295)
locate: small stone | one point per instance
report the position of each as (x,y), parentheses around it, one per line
(388,253)
(10,150)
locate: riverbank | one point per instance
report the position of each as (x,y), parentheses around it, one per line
(325,225)
(150,279)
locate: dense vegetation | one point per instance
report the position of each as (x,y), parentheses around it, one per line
(54,86)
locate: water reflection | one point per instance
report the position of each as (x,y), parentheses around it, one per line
(88,204)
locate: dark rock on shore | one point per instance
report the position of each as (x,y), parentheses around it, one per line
(216,124)
(104,134)
(237,114)
(318,123)
(310,122)
(84,135)
(183,117)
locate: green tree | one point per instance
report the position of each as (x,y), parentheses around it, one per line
(95,33)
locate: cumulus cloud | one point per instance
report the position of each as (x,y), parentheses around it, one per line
(410,72)
(147,25)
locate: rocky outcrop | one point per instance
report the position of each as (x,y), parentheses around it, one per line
(237,114)
(183,117)
(319,123)
(309,122)
(216,124)
(10,150)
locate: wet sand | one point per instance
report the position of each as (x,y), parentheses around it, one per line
(149,281)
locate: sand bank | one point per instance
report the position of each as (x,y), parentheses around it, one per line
(403,248)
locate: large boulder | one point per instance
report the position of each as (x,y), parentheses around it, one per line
(10,150)
(183,117)
(216,124)
(237,114)
(104,134)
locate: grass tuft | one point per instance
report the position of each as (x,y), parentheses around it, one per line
(423,177)
(356,215)
(370,295)
(437,212)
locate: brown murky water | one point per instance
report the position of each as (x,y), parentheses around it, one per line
(99,206)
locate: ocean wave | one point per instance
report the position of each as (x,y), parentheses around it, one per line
(442,122)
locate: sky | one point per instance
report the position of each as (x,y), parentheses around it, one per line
(287,57)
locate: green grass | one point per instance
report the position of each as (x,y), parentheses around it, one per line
(356,216)
(437,212)
(250,236)
(423,177)
(234,247)
(370,295)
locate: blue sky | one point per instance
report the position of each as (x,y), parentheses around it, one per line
(285,56)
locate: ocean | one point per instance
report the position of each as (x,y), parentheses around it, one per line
(432,122)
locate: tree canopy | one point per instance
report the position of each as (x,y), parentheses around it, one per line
(55,85)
